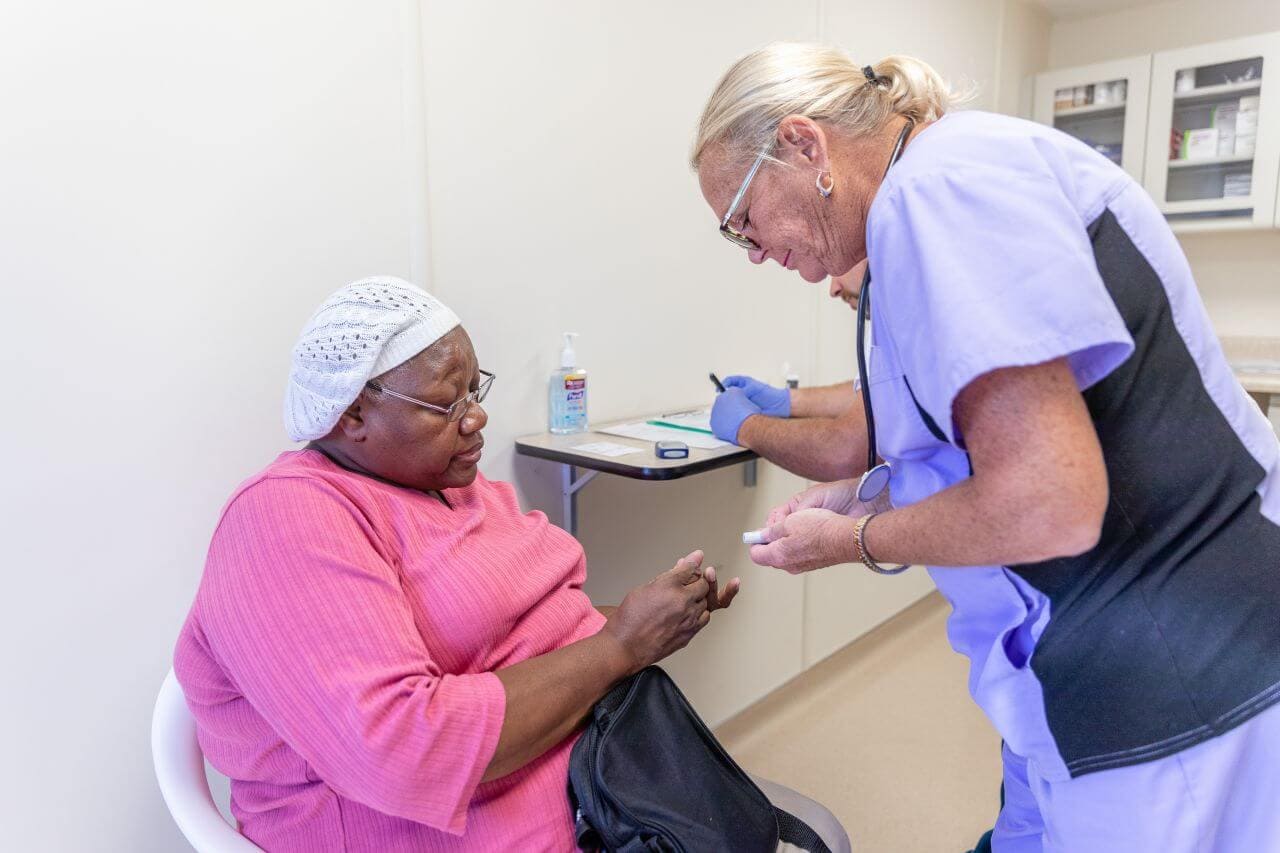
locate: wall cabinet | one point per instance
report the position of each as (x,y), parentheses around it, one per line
(1199,126)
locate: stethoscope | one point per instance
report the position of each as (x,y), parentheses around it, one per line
(876,479)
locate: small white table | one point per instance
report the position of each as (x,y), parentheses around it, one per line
(644,465)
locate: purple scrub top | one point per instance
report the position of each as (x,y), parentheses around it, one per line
(997,242)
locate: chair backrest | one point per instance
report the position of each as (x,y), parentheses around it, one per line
(180,772)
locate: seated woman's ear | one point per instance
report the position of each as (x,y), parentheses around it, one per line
(351,424)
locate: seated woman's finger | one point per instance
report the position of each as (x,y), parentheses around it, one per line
(713,588)
(682,572)
(729,593)
(697,590)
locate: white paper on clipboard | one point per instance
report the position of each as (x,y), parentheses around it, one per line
(649,432)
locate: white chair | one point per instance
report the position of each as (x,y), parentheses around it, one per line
(180,772)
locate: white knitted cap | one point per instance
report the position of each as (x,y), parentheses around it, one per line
(362,331)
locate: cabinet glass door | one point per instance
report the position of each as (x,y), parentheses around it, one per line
(1103,105)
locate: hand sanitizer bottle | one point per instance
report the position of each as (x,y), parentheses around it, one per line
(567,393)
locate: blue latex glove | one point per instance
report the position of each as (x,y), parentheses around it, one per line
(731,408)
(774,402)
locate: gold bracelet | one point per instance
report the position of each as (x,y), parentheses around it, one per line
(860,546)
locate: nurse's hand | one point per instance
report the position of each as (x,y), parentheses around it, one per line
(806,540)
(731,408)
(839,497)
(774,402)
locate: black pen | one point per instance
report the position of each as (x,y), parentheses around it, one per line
(718,383)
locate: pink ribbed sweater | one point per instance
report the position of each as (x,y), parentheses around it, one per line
(339,660)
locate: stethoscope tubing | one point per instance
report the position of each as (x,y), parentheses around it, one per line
(864,300)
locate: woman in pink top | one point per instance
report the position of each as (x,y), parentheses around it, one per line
(385,653)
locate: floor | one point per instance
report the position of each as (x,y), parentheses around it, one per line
(885,735)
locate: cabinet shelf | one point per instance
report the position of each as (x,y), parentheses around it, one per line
(1209,162)
(1091,110)
(1219,223)
(1215,93)
(1209,205)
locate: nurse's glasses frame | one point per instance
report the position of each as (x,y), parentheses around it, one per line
(733,235)
(454,411)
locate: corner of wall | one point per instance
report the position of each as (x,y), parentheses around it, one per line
(1022,50)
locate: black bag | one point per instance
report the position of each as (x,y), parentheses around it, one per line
(647,775)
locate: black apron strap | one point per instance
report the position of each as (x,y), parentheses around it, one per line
(924,416)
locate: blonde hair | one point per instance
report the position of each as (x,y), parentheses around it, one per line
(822,83)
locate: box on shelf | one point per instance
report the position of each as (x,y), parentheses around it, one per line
(1199,144)
(1064,99)
(1110,92)
(1224,119)
(1246,126)
(1235,186)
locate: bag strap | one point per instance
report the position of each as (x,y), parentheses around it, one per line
(793,830)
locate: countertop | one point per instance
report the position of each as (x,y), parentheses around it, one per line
(1256,363)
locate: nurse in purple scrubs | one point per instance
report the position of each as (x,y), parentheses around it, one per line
(1063,443)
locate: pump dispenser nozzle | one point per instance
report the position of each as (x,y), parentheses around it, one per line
(568,356)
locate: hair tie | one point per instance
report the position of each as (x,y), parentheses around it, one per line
(869,73)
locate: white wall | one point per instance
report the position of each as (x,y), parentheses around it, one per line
(1237,272)
(180,186)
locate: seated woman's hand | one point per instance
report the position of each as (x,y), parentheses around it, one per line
(662,616)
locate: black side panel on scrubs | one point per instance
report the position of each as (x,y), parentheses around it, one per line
(1168,632)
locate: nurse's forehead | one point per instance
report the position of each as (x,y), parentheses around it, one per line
(719,181)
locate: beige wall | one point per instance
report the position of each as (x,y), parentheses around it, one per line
(1238,272)
(181,184)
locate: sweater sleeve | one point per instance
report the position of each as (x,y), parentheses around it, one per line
(305,611)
